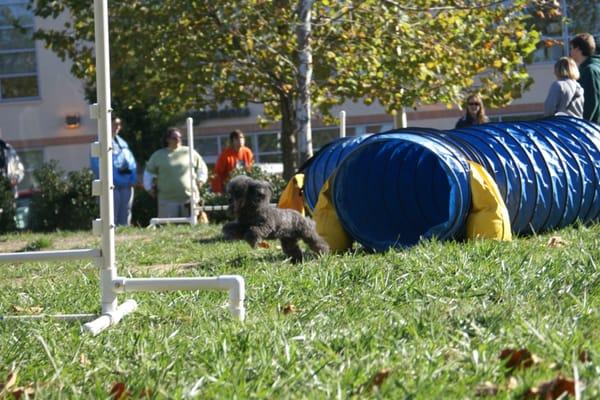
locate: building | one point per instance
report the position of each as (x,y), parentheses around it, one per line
(45,116)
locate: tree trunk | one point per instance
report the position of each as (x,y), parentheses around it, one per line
(304,78)
(288,137)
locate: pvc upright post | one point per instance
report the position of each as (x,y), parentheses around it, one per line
(108,272)
(193,200)
(342,123)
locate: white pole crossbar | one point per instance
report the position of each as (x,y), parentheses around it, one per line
(193,218)
(110,283)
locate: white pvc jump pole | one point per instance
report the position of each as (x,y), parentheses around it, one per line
(193,218)
(110,283)
(342,124)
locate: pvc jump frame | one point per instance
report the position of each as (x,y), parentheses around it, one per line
(193,218)
(111,285)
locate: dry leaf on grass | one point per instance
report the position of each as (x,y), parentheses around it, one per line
(380,377)
(11,379)
(584,356)
(27,310)
(556,241)
(486,388)
(22,392)
(119,391)
(518,358)
(83,360)
(289,309)
(552,390)
(264,245)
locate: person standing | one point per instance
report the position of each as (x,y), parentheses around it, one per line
(565,96)
(167,176)
(583,49)
(236,155)
(124,175)
(11,166)
(475,112)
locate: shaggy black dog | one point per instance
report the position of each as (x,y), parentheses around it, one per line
(256,219)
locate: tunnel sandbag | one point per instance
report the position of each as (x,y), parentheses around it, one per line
(395,189)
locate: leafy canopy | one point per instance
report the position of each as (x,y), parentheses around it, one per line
(173,55)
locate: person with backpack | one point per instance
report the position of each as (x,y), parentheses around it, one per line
(124,175)
(11,166)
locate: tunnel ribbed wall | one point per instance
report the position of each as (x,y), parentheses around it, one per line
(393,188)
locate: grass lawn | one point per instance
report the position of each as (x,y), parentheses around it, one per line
(424,323)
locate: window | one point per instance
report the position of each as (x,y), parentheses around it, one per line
(268,147)
(18,69)
(582,16)
(207,146)
(32,160)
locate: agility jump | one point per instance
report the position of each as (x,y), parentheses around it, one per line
(111,284)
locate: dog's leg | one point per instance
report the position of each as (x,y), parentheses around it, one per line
(314,241)
(253,237)
(291,249)
(233,231)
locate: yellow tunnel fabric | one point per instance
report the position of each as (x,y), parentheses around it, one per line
(488,217)
(328,223)
(292,197)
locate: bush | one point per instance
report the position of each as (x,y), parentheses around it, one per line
(144,207)
(62,203)
(210,199)
(7,206)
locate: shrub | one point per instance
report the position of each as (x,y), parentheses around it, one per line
(144,207)
(277,184)
(62,202)
(7,206)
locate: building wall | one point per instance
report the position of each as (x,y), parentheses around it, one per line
(38,124)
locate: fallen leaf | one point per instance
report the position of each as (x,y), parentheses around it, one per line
(486,389)
(512,383)
(119,391)
(584,356)
(11,379)
(552,390)
(380,377)
(27,310)
(521,358)
(556,241)
(264,245)
(83,360)
(25,391)
(289,309)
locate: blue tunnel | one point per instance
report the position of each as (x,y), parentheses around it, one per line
(398,187)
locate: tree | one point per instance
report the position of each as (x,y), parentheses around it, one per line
(178,55)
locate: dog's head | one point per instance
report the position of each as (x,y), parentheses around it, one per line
(246,195)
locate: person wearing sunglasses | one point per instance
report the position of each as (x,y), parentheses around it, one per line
(475,112)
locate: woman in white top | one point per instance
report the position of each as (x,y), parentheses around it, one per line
(566,95)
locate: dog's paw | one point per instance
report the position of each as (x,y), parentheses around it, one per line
(264,245)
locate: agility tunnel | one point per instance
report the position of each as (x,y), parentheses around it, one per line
(398,187)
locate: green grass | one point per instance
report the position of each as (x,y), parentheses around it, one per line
(436,315)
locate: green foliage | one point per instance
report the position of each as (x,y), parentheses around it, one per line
(38,244)
(210,198)
(144,207)
(435,316)
(7,206)
(62,202)
(169,56)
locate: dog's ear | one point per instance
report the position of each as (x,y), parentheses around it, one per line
(268,190)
